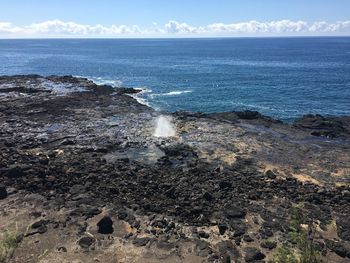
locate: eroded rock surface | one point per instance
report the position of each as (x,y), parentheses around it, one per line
(86,181)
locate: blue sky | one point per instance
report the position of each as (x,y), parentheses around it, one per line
(189,17)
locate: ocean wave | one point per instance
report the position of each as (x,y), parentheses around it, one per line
(104,81)
(140,100)
(139,96)
(172,93)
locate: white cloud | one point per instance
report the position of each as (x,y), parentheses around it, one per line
(58,28)
(176,27)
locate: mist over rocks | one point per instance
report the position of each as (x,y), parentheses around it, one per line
(89,172)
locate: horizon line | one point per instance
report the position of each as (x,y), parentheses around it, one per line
(167,37)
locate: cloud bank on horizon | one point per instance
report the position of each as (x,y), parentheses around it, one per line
(59,28)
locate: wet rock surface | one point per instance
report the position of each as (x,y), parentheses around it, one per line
(226,187)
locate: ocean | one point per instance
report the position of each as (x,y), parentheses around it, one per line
(279,77)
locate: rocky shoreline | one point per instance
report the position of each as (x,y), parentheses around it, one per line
(84,179)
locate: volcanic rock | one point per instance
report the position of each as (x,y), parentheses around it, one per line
(3,192)
(105,225)
(252,254)
(86,242)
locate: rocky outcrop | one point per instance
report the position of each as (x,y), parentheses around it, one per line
(319,125)
(228,186)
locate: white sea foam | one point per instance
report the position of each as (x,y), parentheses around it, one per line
(140,100)
(172,93)
(139,96)
(110,82)
(104,81)
(164,127)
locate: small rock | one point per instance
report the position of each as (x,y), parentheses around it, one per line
(3,192)
(270,174)
(222,229)
(253,254)
(86,242)
(122,215)
(39,226)
(269,244)
(91,212)
(203,234)
(62,249)
(247,238)
(36,214)
(105,225)
(42,229)
(68,142)
(141,242)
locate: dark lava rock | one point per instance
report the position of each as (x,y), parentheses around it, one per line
(238,227)
(62,249)
(228,251)
(68,142)
(39,227)
(222,228)
(207,196)
(203,234)
(249,115)
(248,238)
(270,174)
(3,192)
(141,242)
(322,126)
(122,215)
(38,224)
(86,242)
(235,212)
(16,171)
(225,185)
(91,212)
(343,228)
(268,244)
(105,225)
(253,254)
(338,247)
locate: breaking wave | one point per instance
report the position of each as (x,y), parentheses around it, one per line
(172,93)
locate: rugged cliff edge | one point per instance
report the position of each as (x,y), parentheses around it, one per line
(83,179)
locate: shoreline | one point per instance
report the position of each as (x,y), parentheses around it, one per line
(145,102)
(82,177)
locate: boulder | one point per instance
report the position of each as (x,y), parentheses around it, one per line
(105,225)
(253,254)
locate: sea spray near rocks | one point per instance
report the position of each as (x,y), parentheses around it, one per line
(164,127)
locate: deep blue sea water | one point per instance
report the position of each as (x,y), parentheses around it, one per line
(280,77)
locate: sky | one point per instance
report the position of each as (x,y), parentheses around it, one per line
(172,18)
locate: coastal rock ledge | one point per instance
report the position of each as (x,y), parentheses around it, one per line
(84,179)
